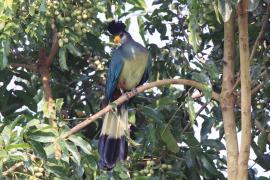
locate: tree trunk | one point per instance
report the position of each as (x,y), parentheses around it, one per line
(245,90)
(227,99)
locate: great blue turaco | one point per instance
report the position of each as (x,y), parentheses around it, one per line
(130,67)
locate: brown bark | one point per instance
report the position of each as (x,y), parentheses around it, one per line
(227,99)
(139,89)
(44,70)
(242,10)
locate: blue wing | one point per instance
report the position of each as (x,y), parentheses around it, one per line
(114,72)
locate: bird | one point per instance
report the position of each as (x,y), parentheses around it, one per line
(130,66)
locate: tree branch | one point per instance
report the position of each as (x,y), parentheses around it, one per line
(242,171)
(257,88)
(227,99)
(131,94)
(261,33)
(54,49)
(30,67)
(12,168)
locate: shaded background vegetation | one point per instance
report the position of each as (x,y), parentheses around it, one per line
(162,120)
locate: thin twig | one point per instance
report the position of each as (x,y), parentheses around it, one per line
(257,88)
(30,67)
(197,114)
(261,33)
(235,84)
(12,168)
(54,49)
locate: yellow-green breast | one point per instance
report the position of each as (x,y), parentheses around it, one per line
(132,71)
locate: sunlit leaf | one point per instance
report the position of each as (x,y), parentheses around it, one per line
(73,150)
(6,134)
(57,170)
(79,141)
(17,146)
(191,110)
(42,136)
(58,104)
(89,164)
(8,4)
(4,48)
(207,92)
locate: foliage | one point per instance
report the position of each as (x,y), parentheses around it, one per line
(163,121)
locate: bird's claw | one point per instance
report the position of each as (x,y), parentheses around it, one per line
(132,92)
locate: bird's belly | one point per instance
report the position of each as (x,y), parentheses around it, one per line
(132,73)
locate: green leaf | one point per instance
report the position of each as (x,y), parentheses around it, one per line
(169,140)
(89,164)
(191,110)
(262,141)
(3,54)
(44,137)
(17,146)
(206,127)
(207,92)
(138,3)
(212,70)
(57,170)
(8,4)
(73,150)
(62,58)
(214,143)
(150,112)
(215,4)
(194,37)
(33,122)
(189,159)
(32,9)
(50,150)
(58,104)
(73,50)
(79,141)
(6,135)
(208,164)
(38,149)
(191,140)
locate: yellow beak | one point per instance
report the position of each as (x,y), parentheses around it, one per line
(117,39)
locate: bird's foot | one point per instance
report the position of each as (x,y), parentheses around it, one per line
(132,92)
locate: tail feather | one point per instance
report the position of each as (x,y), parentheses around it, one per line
(112,144)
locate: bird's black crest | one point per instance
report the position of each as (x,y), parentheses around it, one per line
(116,27)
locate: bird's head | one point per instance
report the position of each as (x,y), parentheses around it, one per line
(117,29)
